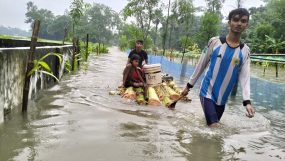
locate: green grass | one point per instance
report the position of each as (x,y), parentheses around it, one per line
(29,39)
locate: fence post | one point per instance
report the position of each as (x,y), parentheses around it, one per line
(30,65)
(183,56)
(57,64)
(78,52)
(184,68)
(276,67)
(87,41)
(73,54)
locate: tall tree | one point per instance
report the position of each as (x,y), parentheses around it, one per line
(215,5)
(186,17)
(144,13)
(57,28)
(166,28)
(239,3)
(45,16)
(210,24)
(76,11)
(100,21)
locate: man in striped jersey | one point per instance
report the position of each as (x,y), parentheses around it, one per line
(227,61)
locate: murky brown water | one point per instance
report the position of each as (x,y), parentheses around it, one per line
(78,120)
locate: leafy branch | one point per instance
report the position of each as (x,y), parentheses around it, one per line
(41,66)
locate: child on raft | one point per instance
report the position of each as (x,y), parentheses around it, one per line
(132,75)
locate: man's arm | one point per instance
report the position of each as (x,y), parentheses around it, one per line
(126,73)
(145,57)
(244,80)
(146,61)
(202,64)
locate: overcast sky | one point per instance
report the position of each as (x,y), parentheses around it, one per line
(13,11)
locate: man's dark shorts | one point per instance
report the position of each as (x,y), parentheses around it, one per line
(212,111)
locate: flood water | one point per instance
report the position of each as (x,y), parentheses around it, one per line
(78,120)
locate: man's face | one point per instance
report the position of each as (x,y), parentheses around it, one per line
(238,24)
(138,45)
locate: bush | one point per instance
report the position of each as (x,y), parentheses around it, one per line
(91,48)
(101,48)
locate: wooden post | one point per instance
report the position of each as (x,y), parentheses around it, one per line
(73,54)
(182,57)
(184,68)
(87,40)
(276,67)
(30,65)
(78,52)
(65,33)
(99,48)
(57,64)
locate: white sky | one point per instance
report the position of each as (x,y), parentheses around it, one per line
(13,11)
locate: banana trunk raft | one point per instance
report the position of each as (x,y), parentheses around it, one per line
(160,95)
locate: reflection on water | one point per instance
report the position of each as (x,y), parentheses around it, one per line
(78,120)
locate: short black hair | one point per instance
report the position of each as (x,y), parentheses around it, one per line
(134,57)
(239,11)
(139,41)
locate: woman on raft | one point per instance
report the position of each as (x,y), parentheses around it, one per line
(132,75)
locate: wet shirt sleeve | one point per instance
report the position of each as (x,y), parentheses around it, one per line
(203,62)
(131,53)
(145,56)
(244,77)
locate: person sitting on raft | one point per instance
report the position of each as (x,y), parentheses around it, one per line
(132,75)
(140,52)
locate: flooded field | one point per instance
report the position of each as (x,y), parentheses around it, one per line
(78,120)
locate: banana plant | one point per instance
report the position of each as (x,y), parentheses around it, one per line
(41,66)
(265,65)
(275,44)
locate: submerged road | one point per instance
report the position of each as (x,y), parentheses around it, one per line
(77,120)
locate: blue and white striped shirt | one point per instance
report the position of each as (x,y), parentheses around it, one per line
(225,66)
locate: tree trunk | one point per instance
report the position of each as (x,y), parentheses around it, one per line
(166,28)
(170,36)
(184,50)
(156,26)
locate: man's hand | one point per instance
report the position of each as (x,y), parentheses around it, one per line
(185,91)
(250,111)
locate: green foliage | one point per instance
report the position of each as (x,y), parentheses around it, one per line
(128,36)
(194,48)
(101,48)
(123,42)
(275,44)
(76,10)
(144,12)
(265,64)
(210,25)
(214,6)
(100,22)
(268,20)
(85,54)
(45,16)
(41,66)
(67,66)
